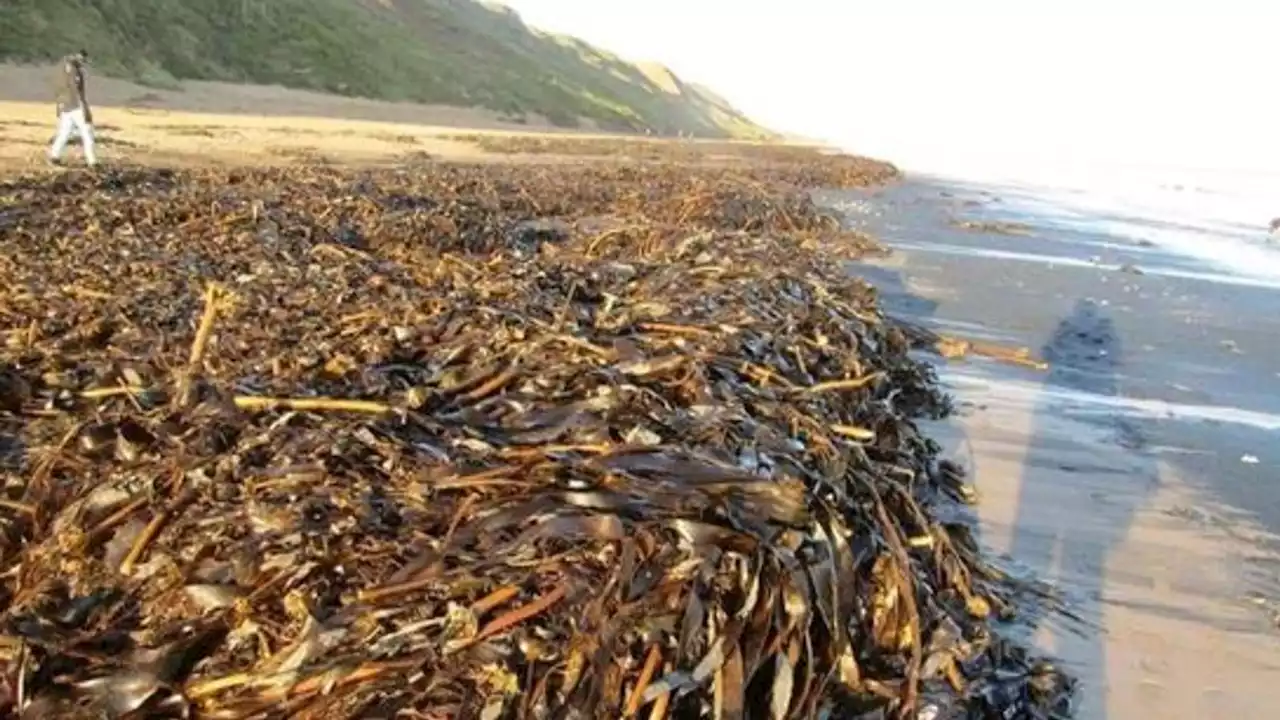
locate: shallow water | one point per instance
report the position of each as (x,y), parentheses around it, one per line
(1218,216)
(996,388)
(1052,259)
(1194,339)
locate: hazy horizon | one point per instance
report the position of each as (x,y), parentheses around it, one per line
(988,84)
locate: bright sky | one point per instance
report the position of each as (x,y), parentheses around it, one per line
(943,84)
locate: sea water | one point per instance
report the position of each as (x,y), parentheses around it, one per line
(1217,216)
(1209,225)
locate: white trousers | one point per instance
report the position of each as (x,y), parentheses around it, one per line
(73,120)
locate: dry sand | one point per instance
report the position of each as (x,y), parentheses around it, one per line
(221,123)
(217,123)
(184,138)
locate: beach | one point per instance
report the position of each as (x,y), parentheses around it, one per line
(1131,480)
(1136,474)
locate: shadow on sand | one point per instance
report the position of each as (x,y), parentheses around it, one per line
(1073,506)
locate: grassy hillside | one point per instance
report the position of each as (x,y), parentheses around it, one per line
(456,52)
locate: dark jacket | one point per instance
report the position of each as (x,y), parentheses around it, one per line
(69,85)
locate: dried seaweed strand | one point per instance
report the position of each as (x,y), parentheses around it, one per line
(907,591)
(522,613)
(150,531)
(651,663)
(199,345)
(850,384)
(267,404)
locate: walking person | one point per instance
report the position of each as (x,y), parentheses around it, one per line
(74,113)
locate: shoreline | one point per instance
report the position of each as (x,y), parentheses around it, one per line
(1123,475)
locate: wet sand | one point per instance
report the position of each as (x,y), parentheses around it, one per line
(1138,475)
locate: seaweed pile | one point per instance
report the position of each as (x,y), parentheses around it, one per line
(801,165)
(473,442)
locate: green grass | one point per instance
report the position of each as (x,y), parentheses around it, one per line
(457,52)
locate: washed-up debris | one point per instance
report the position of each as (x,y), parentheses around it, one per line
(994,227)
(951,346)
(801,165)
(1267,605)
(333,444)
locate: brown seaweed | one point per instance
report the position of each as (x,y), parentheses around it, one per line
(507,441)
